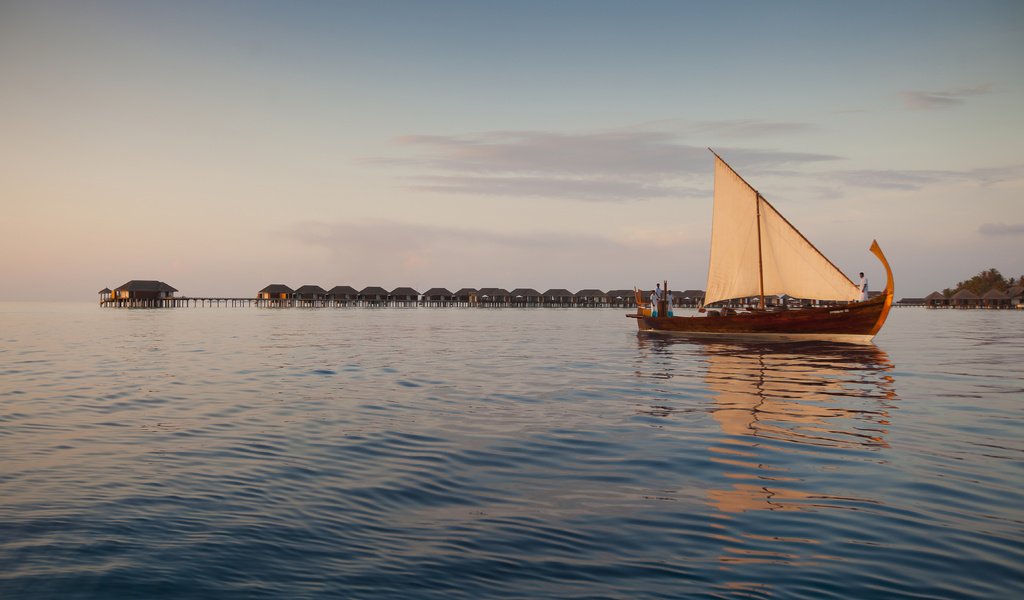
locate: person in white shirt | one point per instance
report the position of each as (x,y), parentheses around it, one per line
(863,287)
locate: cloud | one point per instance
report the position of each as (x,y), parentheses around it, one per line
(390,254)
(587,189)
(1001,229)
(599,166)
(918,179)
(923,100)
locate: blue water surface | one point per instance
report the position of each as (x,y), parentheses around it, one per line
(503,453)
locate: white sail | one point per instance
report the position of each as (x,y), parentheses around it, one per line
(788,263)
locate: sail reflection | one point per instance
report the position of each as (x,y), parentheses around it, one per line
(783,411)
(774,401)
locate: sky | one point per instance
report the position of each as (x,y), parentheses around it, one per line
(223,146)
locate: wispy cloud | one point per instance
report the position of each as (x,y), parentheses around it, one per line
(587,189)
(1001,229)
(918,179)
(601,166)
(391,253)
(934,100)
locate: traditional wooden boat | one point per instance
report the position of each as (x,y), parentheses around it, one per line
(756,252)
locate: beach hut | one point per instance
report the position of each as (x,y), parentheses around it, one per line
(965,299)
(437,297)
(106,294)
(995,299)
(936,300)
(590,298)
(404,296)
(557,298)
(493,297)
(465,297)
(342,295)
(525,297)
(373,296)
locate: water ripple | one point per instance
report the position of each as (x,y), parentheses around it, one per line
(528,454)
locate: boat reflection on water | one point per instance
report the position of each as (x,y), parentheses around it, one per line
(785,410)
(794,432)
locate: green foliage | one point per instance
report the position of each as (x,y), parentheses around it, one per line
(983,282)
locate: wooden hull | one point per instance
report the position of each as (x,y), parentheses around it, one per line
(854,322)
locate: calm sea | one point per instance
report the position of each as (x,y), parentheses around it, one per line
(474,453)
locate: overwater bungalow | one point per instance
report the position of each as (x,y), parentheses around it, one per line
(525,297)
(139,293)
(465,297)
(275,291)
(436,297)
(590,298)
(138,289)
(373,296)
(688,298)
(404,296)
(558,298)
(910,302)
(995,299)
(493,297)
(965,299)
(936,300)
(342,295)
(310,295)
(621,298)
(1016,295)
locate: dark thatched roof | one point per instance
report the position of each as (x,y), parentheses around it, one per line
(404,291)
(935,296)
(465,292)
(558,293)
(994,294)
(525,293)
(307,290)
(342,290)
(373,291)
(433,292)
(492,292)
(590,294)
(277,288)
(141,285)
(105,291)
(965,295)
(620,293)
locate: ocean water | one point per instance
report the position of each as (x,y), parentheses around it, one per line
(474,453)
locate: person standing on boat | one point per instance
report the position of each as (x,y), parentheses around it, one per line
(655,299)
(863,287)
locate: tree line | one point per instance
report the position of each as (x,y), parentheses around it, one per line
(983,282)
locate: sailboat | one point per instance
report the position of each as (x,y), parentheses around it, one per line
(756,252)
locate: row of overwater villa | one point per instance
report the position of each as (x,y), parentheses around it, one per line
(1012,297)
(157,294)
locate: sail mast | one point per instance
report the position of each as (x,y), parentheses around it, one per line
(760,255)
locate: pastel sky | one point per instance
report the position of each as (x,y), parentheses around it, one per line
(222,146)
